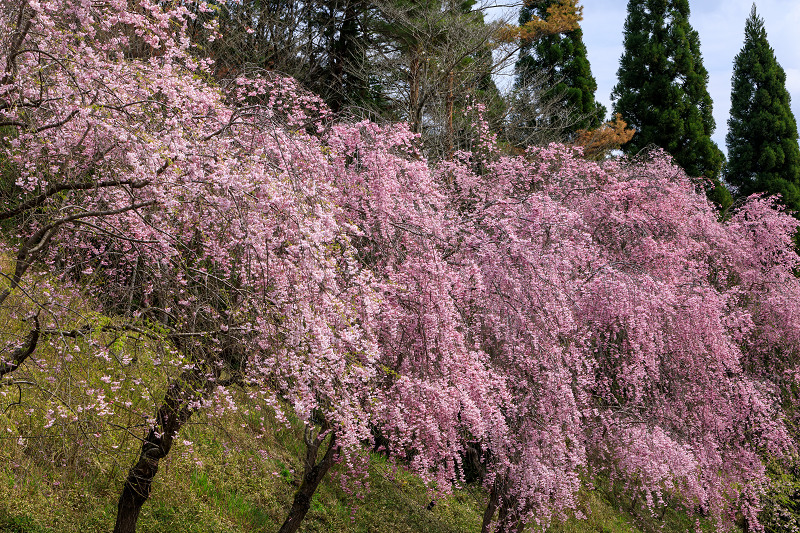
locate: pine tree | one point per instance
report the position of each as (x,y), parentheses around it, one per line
(568,75)
(662,90)
(762,132)
(433,57)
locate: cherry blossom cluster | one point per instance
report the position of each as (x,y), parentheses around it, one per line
(539,318)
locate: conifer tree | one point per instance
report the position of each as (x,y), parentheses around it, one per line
(562,56)
(762,131)
(662,92)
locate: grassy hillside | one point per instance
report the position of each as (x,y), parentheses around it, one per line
(64,454)
(220,484)
(216,481)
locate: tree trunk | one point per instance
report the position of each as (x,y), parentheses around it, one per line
(179,403)
(508,517)
(313,474)
(415,106)
(491,507)
(505,524)
(450,102)
(505,506)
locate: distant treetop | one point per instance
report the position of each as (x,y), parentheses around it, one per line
(762,131)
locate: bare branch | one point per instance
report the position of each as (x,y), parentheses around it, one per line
(61,187)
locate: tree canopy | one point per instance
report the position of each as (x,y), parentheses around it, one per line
(563,60)
(763,154)
(554,316)
(662,90)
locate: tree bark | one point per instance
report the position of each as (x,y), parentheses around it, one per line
(415,106)
(450,102)
(508,519)
(313,474)
(491,507)
(505,524)
(180,401)
(21,353)
(505,507)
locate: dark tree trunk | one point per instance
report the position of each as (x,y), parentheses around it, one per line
(505,520)
(450,102)
(508,519)
(312,476)
(179,403)
(415,106)
(491,507)
(506,508)
(18,356)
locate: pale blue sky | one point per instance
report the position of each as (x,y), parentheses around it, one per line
(720,24)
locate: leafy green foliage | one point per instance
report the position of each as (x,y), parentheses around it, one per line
(662,90)
(17,523)
(781,513)
(563,58)
(762,131)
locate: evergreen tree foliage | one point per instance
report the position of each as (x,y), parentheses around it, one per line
(433,59)
(662,92)
(568,75)
(762,132)
(321,43)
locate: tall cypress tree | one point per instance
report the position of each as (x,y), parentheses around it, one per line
(662,90)
(563,58)
(762,132)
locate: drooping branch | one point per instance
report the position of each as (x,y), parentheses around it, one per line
(40,129)
(88,330)
(51,190)
(39,240)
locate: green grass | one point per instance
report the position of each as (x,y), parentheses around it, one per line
(228,473)
(222,483)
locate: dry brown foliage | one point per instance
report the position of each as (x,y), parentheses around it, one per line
(610,136)
(563,16)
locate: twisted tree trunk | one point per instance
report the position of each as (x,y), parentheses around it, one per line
(180,401)
(312,476)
